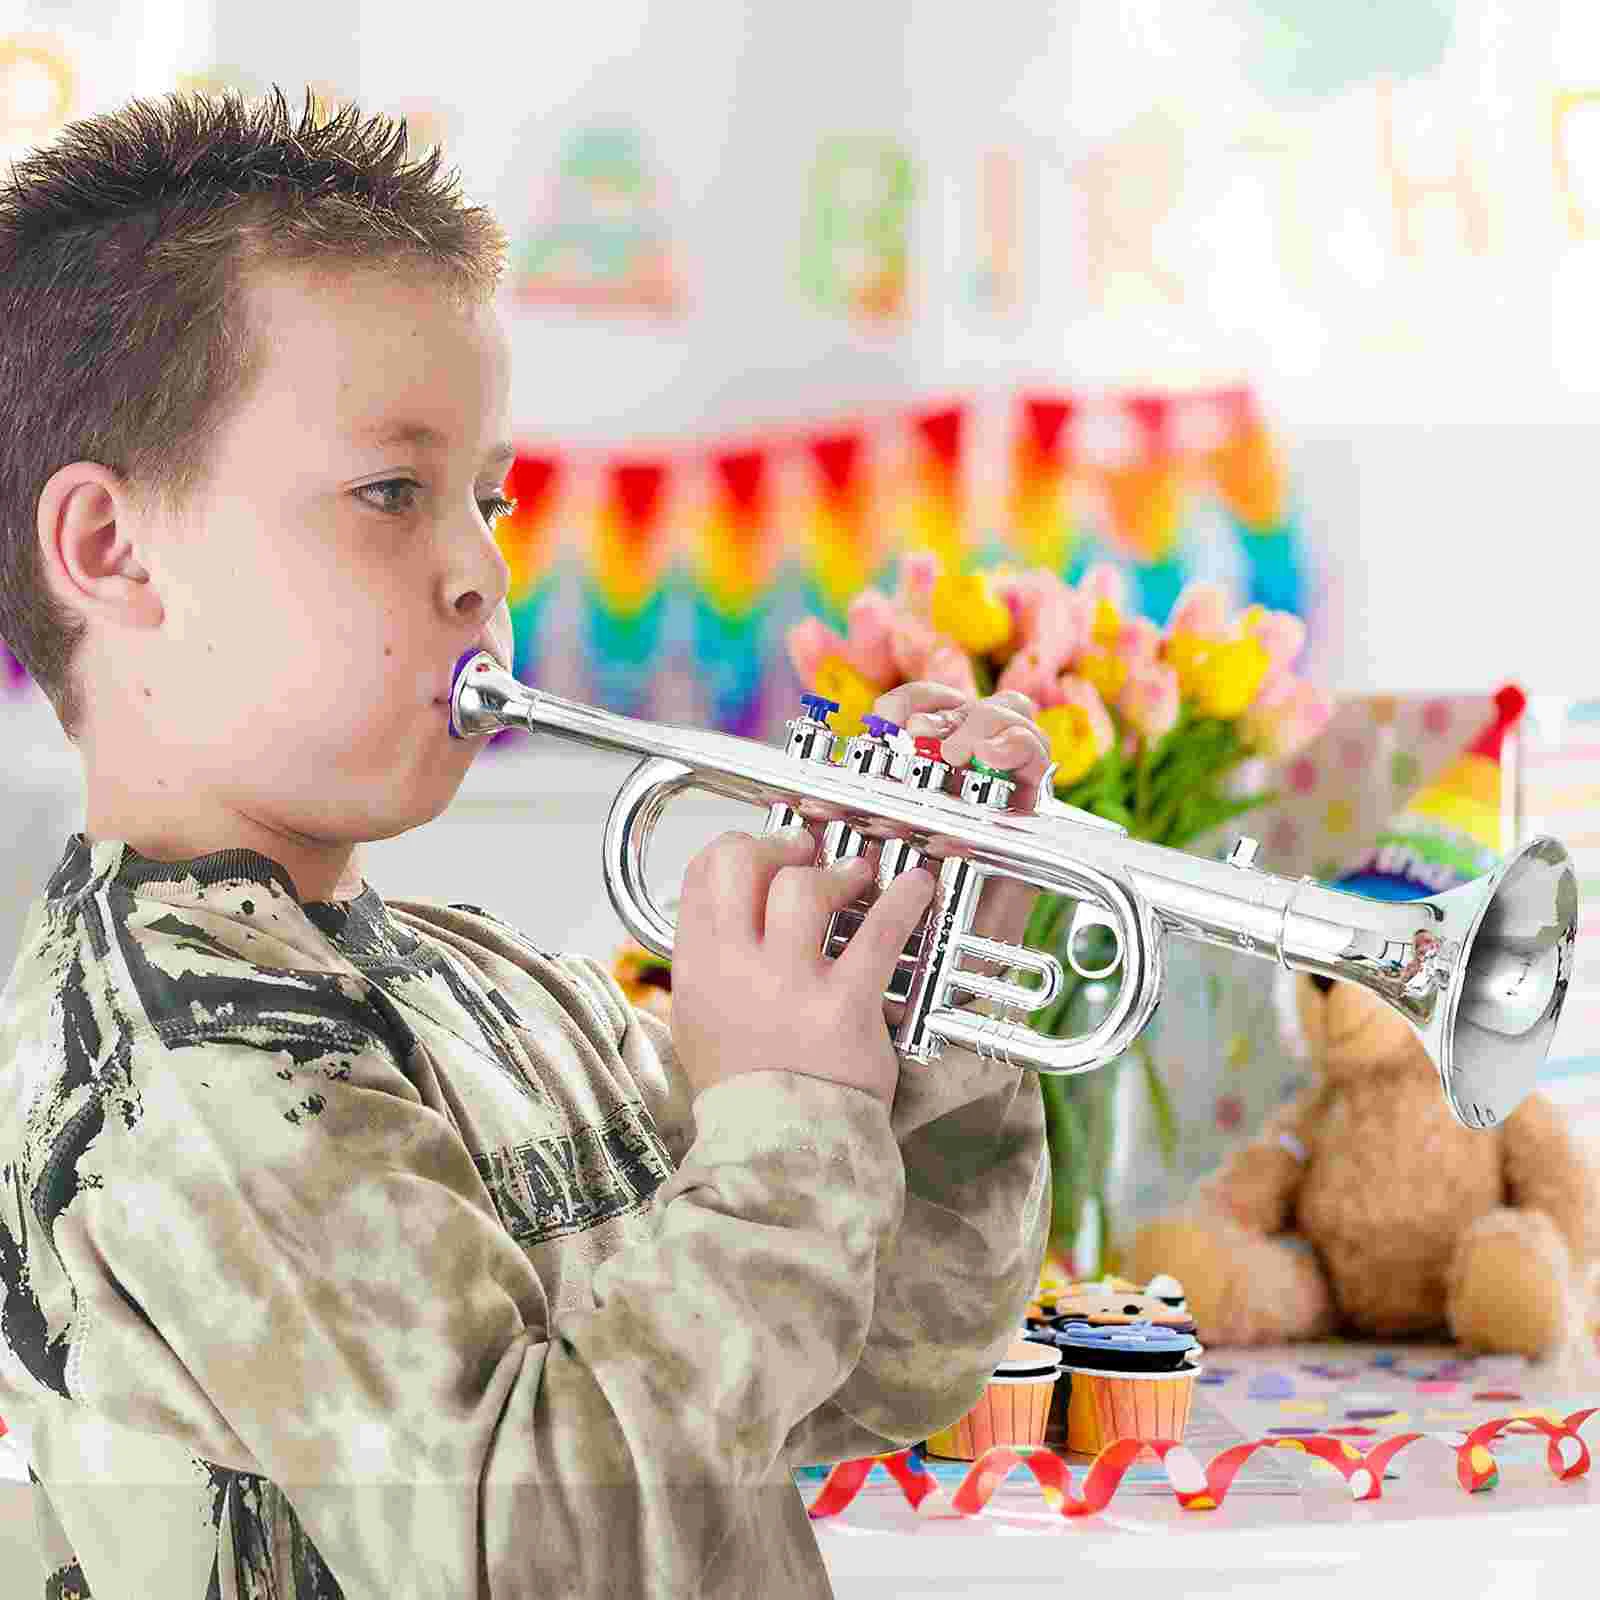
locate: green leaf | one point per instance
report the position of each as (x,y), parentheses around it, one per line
(1160,1104)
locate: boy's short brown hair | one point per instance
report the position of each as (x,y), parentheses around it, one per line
(124,248)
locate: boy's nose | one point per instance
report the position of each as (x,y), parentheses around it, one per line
(1324,984)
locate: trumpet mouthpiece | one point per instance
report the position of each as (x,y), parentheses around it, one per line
(468,664)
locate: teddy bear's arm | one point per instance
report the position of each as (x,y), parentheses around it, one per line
(1547,1170)
(1257,1183)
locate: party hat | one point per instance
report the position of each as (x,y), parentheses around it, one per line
(1450,832)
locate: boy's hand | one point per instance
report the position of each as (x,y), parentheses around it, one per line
(751,989)
(1000,732)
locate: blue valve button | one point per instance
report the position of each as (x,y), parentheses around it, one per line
(879,727)
(818,706)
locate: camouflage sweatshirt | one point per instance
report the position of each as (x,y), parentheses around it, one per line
(362,1249)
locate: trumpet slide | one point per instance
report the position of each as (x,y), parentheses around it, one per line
(1480,973)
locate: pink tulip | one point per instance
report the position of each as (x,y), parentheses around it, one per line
(1138,643)
(950,664)
(1202,610)
(1281,634)
(1149,701)
(918,572)
(911,642)
(1294,723)
(1033,675)
(1103,582)
(920,652)
(1048,617)
(810,642)
(1276,691)
(870,647)
(1080,692)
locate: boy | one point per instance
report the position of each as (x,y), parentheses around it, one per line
(352,1246)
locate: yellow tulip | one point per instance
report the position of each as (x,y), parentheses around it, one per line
(1107,626)
(839,681)
(1229,676)
(965,607)
(1107,672)
(1073,746)
(1185,653)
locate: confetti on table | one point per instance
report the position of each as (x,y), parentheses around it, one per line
(1497,1394)
(1308,1408)
(1437,1386)
(1448,1416)
(1370,1414)
(1271,1386)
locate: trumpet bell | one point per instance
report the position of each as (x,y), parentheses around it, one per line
(1517,966)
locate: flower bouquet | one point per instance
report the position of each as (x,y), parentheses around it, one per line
(1148,727)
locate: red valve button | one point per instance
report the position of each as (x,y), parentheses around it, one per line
(928,746)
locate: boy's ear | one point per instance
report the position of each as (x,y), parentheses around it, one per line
(89,561)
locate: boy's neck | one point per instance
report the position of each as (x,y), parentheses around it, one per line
(319,871)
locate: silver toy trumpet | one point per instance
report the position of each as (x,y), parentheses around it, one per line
(1480,972)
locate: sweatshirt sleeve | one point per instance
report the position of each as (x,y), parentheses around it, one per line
(295,1270)
(953,1281)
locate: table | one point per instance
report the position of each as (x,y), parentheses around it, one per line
(1303,1535)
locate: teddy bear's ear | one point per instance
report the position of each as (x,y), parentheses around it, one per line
(1311,1009)
(1362,1030)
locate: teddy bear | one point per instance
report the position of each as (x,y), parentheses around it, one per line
(1364,1208)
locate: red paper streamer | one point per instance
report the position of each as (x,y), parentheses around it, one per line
(843,551)
(737,551)
(632,537)
(1202,1490)
(526,535)
(1042,533)
(937,519)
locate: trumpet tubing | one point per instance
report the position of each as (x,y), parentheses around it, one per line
(1480,973)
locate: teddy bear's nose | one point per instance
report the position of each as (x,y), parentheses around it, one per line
(1324,984)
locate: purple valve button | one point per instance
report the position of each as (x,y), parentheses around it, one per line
(879,727)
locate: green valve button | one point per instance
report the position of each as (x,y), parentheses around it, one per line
(985,768)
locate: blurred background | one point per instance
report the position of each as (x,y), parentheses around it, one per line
(1300,299)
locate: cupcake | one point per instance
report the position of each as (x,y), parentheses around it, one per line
(1106,1302)
(1012,1408)
(1109,1305)
(1129,1381)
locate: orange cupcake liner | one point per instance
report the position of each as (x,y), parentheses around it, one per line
(1010,1411)
(1126,1405)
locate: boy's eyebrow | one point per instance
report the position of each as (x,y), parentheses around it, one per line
(429,438)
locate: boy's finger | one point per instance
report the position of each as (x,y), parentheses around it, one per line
(867,963)
(801,902)
(909,698)
(999,737)
(725,890)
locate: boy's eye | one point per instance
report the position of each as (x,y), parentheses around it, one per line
(492,507)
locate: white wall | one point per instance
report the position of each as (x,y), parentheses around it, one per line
(1454,507)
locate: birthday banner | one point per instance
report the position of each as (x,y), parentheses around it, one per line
(659,582)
